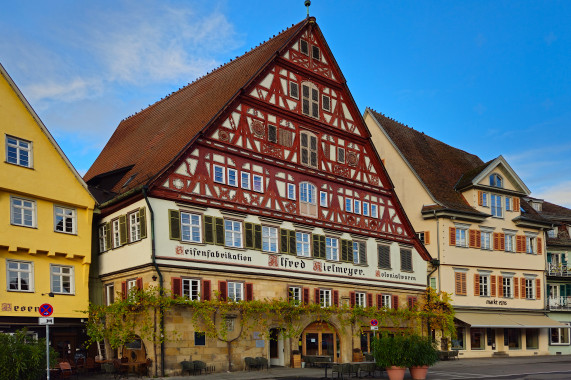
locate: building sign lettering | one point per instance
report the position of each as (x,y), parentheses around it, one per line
(19,308)
(496,302)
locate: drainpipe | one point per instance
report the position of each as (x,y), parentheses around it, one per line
(438,248)
(161,291)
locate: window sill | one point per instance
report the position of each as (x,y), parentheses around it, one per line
(21,166)
(66,233)
(191,242)
(20,291)
(21,225)
(63,294)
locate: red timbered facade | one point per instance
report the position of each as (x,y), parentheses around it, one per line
(276,193)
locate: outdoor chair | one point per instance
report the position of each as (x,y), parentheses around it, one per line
(120,370)
(347,369)
(143,369)
(90,365)
(369,368)
(199,366)
(262,362)
(336,368)
(250,363)
(66,370)
(80,365)
(187,366)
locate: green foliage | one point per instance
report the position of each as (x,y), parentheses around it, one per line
(139,314)
(23,358)
(422,351)
(391,350)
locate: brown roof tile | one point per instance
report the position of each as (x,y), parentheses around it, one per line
(152,138)
(438,165)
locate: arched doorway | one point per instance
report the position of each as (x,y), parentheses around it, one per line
(322,340)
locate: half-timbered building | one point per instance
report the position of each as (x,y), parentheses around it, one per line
(256,181)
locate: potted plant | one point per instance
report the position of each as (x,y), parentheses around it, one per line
(357,355)
(390,353)
(422,354)
(295,359)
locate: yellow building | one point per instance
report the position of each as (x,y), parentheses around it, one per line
(489,243)
(45,233)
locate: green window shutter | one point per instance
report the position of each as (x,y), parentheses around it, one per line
(322,246)
(284,241)
(174,224)
(208,229)
(108,235)
(143,221)
(292,243)
(362,253)
(344,250)
(350,251)
(219,230)
(123,229)
(249,230)
(315,245)
(258,236)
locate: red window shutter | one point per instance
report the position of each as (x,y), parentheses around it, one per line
(410,302)
(305,296)
(452,237)
(522,288)
(537,288)
(124,290)
(478,239)
(539,246)
(395,302)
(480,198)
(139,283)
(516,287)
(500,286)
(336,297)
(458,282)
(316,295)
(223,289)
(352,298)
(369,299)
(379,301)
(463,283)
(472,235)
(426,237)
(206,290)
(476,284)
(516,204)
(496,241)
(502,242)
(176,287)
(517,244)
(493,286)
(249,291)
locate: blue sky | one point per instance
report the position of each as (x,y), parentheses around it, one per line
(488,77)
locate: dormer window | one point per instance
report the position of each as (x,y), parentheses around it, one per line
(496,180)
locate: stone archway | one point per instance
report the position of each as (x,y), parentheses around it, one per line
(321,339)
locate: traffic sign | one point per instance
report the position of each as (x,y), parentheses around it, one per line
(46,321)
(46,310)
(374,322)
(374,328)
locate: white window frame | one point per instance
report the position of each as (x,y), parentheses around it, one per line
(134,226)
(461,237)
(529,289)
(303,244)
(23,208)
(109,294)
(270,239)
(19,150)
(307,199)
(222,173)
(356,253)
(235,291)
(131,284)
(560,335)
(56,271)
(374,211)
(234,173)
(484,199)
(484,285)
(508,203)
(496,206)
(325,298)
(509,242)
(295,294)
(360,299)
(323,198)
(507,287)
(496,180)
(530,242)
(245,180)
(348,204)
(116,233)
(420,236)
(291,191)
(63,213)
(365,208)
(192,228)
(486,240)
(20,271)
(386,301)
(103,231)
(312,102)
(190,288)
(357,206)
(233,236)
(331,248)
(257,183)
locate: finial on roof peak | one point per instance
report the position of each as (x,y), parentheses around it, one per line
(307,4)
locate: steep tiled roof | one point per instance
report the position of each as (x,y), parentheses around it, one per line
(551,210)
(149,140)
(439,166)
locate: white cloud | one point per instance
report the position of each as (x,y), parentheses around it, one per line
(67,91)
(559,194)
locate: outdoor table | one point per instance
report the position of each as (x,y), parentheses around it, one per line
(133,366)
(325,365)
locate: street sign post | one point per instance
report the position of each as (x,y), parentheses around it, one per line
(45,311)
(374,324)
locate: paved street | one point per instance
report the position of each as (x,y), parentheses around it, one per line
(527,368)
